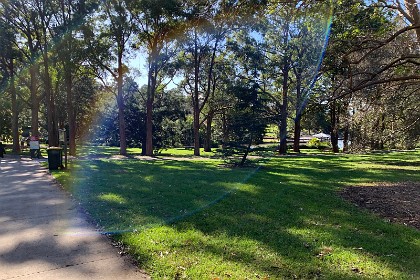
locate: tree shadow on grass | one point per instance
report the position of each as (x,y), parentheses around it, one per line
(297,218)
(132,194)
(290,207)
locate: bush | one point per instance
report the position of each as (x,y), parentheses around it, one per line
(318,144)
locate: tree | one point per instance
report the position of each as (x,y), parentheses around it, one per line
(409,10)
(25,22)
(359,58)
(157,24)
(247,120)
(202,40)
(115,32)
(69,50)
(293,59)
(45,11)
(8,65)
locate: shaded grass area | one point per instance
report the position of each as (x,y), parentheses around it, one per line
(200,220)
(133,195)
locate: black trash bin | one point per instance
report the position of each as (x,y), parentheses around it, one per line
(55,158)
(35,153)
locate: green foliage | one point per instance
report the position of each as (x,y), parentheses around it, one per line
(247,122)
(318,144)
(171,129)
(314,142)
(274,46)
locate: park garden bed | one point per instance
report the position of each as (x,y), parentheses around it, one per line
(396,202)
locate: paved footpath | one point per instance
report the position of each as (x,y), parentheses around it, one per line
(44,236)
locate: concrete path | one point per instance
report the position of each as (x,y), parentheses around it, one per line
(44,236)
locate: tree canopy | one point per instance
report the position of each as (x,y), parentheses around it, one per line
(218,73)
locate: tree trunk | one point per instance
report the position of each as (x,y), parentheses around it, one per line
(207,142)
(285,89)
(382,146)
(283,121)
(151,91)
(149,126)
(196,128)
(33,72)
(296,140)
(121,109)
(334,126)
(52,125)
(71,114)
(414,12)
(225,133)
(196,105)
(347,121)
(346,138)
(15,110)
(211,88)
(68,80)
(248,148)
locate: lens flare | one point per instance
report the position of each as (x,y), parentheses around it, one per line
(128,194)
(135,194)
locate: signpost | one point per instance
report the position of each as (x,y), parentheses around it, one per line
(34,147)
(63,140)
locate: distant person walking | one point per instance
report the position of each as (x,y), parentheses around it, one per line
(2,150)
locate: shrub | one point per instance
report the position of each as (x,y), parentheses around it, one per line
(318,144)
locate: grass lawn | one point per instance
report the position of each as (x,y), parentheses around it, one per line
(108,151)
(198,219)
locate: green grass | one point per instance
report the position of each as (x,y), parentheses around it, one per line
(108,151)
(200,220)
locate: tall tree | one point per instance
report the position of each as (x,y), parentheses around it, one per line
(157,24)
(25,21)
(115,30)
(204,37)
(358,58)
(8,66)
(45,35)
(308,43)
(71,18)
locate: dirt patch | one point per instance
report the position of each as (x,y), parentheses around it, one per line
(396,202)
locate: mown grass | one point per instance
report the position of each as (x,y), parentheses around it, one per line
(201,220)
(108,151)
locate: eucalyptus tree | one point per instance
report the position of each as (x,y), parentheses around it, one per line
(157,24)
(45,34)
(293,33)
(8,59)
(386,115)
(22,16)
(279,19)
(70,19)
(308,41)
(114,27)
(362,57)
(294,39)
(202,42)
(408,9)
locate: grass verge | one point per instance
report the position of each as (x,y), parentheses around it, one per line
(200,220)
